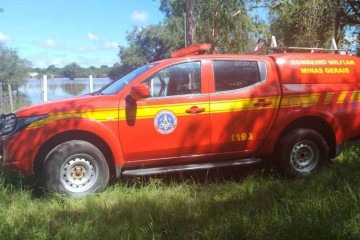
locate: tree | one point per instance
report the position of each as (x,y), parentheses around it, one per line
(148,44)
(13,69)
(347,13)
(72,71)
(116,72)
(51,68)
(227,25)
(302,22)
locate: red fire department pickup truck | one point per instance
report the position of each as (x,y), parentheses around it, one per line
(191,111)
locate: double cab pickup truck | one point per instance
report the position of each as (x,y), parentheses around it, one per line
(191,111)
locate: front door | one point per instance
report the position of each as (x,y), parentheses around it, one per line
(173,123)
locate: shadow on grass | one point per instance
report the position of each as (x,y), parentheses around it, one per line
(18,182)
(210,176)
(251,202)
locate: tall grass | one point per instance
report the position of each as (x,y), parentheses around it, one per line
(251,205)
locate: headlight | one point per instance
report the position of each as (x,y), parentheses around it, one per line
(7,123)
(11,123)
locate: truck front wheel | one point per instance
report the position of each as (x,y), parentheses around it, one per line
(75,168)
(302,152)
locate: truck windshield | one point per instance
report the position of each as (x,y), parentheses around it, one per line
(119,84)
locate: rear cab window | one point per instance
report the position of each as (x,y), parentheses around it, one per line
(237,74)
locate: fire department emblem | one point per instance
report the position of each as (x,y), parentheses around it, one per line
(165,122)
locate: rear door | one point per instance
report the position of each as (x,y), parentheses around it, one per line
(173,123)
(243,104)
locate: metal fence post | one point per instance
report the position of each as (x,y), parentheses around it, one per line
(91,84)
(1,98)
(10,98)
(44,88)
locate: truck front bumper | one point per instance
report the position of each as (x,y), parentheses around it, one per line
(14,154)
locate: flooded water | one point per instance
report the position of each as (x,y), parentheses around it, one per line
(59,88)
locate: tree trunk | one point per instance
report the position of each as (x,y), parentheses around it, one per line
(215,34)
(337,24)
(190,23)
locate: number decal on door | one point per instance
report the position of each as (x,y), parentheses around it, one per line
(239,137)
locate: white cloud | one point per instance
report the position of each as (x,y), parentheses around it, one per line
(111,45)
(4,37)
(92,37)
(82,49)
(50,43)
(45,62)
(139,16)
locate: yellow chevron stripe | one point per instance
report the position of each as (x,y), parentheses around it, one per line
(150,111)
(342,97)
(355,96)
(143,112)
(300,100)
(328,98)
(100,115)
(242,104)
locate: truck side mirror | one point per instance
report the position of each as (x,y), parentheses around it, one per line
(139,91)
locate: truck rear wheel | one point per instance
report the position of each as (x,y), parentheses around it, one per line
(302,152)
(75,168)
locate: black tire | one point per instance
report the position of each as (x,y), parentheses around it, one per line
(75,168)
(302,152)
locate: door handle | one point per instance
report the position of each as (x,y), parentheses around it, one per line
(262,103)
(195,110)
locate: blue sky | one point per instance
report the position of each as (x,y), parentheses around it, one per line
(87,32)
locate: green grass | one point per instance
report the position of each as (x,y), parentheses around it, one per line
(255,205)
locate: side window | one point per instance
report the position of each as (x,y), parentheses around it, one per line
(180,79)
(235,74)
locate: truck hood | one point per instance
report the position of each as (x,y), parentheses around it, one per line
(77,104)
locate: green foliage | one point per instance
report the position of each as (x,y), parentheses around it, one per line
(349,12)
(72,71)
(52,68)
(13,69)
(237,30)
(231,28)
(302,22)
(227,25)
(258,205)
(101,72)
(148,44)
(116,72)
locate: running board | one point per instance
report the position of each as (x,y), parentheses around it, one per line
(188,167)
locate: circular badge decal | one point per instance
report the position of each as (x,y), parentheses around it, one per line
(165,122)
